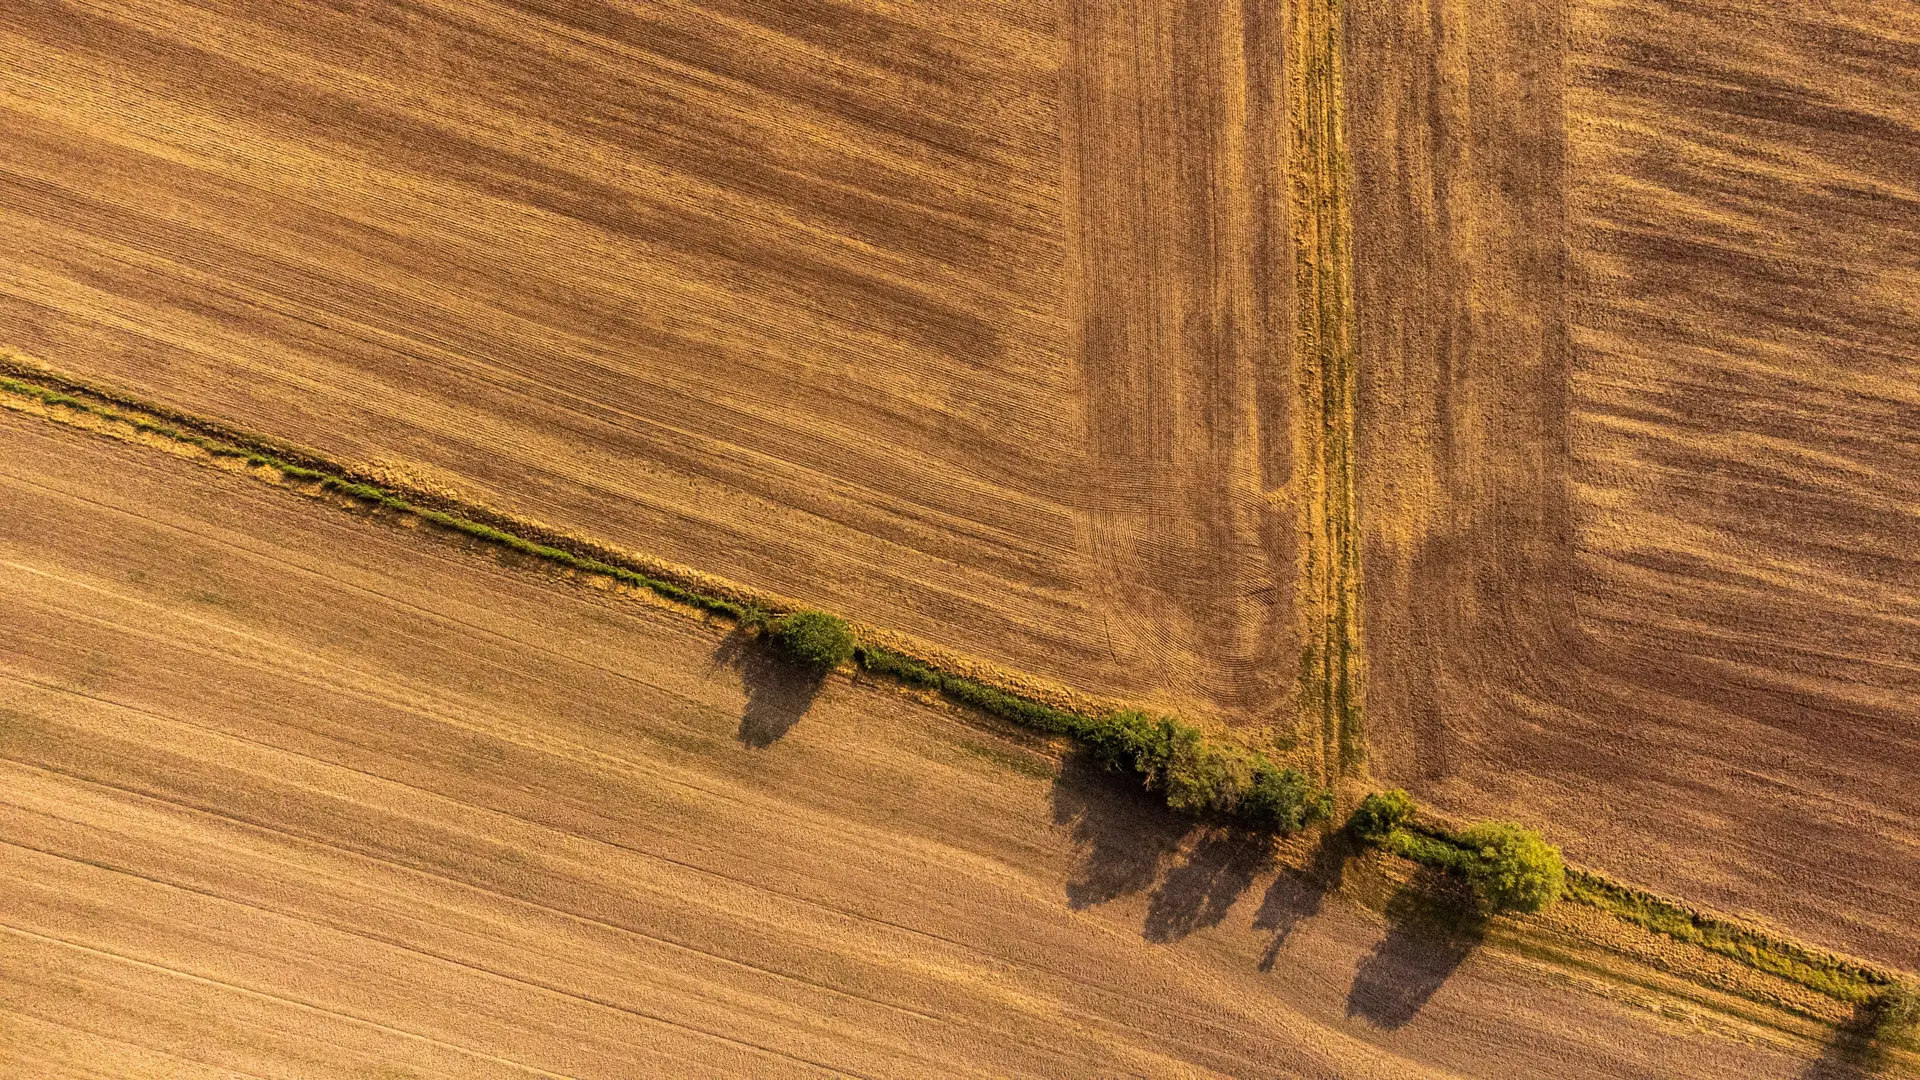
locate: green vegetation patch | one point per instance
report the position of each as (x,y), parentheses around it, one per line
(1896,1016)
(1512,867)
(1811,968)
(814,638)
(1509,866)
(1379,814)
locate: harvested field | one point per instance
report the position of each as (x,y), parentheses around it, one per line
(1640,442)
(296,791)
(948,316)
(1066,338)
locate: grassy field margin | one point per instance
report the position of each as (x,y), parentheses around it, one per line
(1198,772)
(1850,981)
(1424,841)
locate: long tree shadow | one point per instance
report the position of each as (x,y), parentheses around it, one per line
(1201,888)
(1123,833)
(779,691)
(1297,895)
(1433,925)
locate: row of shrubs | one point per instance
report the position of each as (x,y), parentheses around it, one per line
(1512,869)
(1509,866)
(1194,774)
(1203,777)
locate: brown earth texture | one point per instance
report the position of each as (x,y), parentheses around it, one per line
(967,319)
(294,792)
(1561,358)
(1637,289)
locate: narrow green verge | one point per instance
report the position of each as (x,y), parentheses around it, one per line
(1195,774)
(1822,972)
(1811,968)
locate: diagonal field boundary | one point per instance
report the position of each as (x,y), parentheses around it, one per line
(1231,782)
(30,388)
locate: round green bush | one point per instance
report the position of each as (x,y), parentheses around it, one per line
(1379,814)
(1512,868)
(815,638)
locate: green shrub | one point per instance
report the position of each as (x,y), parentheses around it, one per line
(1429,851)
(1379,814)
(1896,1015)
(753,616)
(1511,867)
(1127,742)
(1203,778)
(815,638)
(1283,800)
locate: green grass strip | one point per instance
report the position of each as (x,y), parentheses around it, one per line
(1423,843)
(1811,968)
(988,699)
(1824,973)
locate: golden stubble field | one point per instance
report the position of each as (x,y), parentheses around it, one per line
(292,791)
(976,321)
(968,319)
(1640,439)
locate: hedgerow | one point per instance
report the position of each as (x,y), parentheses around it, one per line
(1168,756)
(1379,814)
(1896,1015)
(1510,867)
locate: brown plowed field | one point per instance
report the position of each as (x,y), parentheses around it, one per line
(947,316)
(1640,465)
(293,792)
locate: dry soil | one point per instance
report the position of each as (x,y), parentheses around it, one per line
(289,791)
(1640,468)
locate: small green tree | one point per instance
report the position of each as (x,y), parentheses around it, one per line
(1202,778)
(1379,814)
(1896,1015)
(1511,867)
(1283,800)
(1128,742)
(815,638)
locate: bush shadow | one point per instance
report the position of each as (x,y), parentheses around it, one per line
(1297,895)
(1433,924)
(1856,1051)
(1123,833)
(779,691)
(1200,890)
